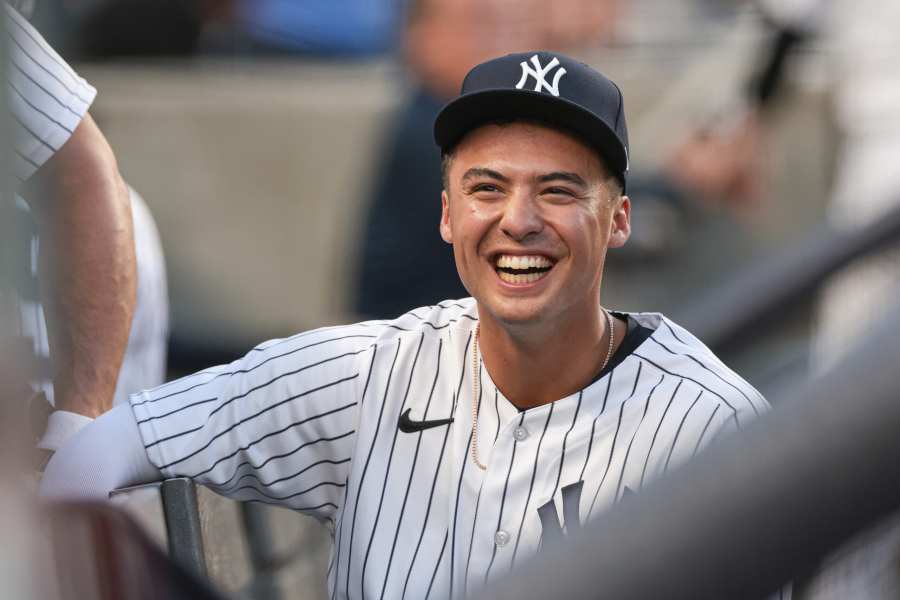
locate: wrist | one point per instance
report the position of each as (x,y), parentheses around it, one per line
(78,404)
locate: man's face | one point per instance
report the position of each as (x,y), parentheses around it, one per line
(530,217)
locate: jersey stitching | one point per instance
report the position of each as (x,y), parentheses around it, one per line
(477,500)
(537,456)
(512,460)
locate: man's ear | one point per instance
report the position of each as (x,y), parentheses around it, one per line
(620,223)
(446,230)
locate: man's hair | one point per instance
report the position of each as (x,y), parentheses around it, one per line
(612,182)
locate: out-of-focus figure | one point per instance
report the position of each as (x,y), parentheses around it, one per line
(862,53)
(110,28)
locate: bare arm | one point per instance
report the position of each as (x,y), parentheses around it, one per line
(87,267)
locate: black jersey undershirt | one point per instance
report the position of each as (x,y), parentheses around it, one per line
(635,336)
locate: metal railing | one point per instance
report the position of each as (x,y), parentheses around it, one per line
(727,316)
(174,501)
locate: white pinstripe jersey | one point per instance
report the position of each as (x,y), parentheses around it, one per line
(47,99)
(311,422)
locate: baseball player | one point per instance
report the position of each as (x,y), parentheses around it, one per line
(85,225)
(445,446)
(90,230)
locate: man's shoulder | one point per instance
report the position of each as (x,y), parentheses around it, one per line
(447,316)
(675,351)
(669,342)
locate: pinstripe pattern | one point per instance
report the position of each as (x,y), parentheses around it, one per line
(311,423)
(47,99)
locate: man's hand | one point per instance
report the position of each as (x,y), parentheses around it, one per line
(723,167)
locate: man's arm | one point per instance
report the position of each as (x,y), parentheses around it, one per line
(87,267)
(278,425)
(105,455)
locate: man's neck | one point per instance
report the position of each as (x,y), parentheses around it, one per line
(538,364)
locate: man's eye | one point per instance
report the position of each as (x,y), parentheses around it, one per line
(558,191)
(485,187)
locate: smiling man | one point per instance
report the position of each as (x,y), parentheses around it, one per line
(445,446)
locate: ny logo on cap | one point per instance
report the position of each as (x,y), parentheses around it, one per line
(540,73)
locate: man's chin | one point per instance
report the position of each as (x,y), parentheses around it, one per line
(515,312)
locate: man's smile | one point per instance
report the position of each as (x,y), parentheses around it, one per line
(522,269)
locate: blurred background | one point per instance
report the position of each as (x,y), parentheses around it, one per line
(284,149)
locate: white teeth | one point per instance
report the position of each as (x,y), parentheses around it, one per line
(522,262)
(520,279)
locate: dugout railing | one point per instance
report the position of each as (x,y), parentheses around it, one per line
(740,310)
(755,510)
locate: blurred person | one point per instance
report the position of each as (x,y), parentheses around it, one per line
(110,28)
(445,445)
(318,27)
(728,167)
(401,263)
(79,269)
(862,50)
(97,29)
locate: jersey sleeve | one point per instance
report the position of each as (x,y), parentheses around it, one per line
(47,99)
(277,426)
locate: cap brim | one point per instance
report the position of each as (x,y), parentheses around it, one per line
(467,112)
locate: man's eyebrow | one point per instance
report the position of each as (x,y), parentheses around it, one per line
(475,172)
(573,178)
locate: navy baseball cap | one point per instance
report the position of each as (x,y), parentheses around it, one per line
(547,87)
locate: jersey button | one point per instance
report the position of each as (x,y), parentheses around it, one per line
(521,434)
(501,538)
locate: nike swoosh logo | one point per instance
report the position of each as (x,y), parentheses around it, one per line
(407,425)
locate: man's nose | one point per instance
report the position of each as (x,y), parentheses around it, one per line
(521,216)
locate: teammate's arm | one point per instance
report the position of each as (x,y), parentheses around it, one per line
(87,267)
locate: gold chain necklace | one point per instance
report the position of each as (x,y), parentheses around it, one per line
(476,380)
